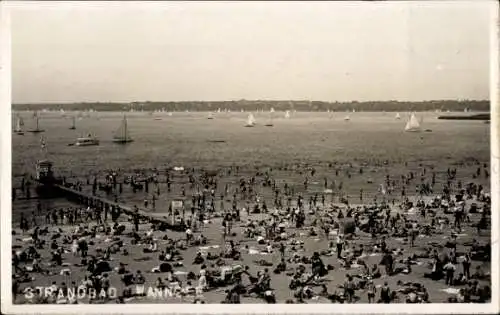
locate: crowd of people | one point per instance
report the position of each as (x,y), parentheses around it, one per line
(241,234)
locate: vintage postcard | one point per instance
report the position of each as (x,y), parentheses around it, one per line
(249,157)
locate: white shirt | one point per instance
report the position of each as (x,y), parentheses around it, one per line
(202,282)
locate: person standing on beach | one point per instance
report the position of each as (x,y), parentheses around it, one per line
(33,219)
(450,271)
(388,262)
(340,244)
(136,219)
(349,289)
(372,290)
(22,224)
(39,207)
(385,293)
(466,265)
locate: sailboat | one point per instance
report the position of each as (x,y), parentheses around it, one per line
(287,114)
(19,126)
(210,115)
(37,129)
(270,122)
(413,125)
(347,118)
(398,116)
(122,135)
(250,121)
(73,126)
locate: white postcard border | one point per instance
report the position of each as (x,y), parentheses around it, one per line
(5,211)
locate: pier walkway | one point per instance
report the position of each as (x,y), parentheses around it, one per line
(108,205)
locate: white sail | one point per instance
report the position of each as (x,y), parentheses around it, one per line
(347,118)
(250,120)
(37,124)
(398,116)
(272,110)
(122,134)
(413,125)
(287,114)
(210,115)
(19,125)
(270,121)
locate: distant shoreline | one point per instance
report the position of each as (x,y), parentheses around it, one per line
(314,106)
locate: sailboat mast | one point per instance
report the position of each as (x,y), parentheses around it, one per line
(125,127)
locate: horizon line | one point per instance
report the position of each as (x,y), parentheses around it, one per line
(247,100)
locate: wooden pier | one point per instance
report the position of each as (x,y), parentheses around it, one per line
(50,186)
(107,205)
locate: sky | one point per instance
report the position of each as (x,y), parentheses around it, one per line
(180,51)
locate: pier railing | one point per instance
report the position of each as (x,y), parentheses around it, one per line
(94,201)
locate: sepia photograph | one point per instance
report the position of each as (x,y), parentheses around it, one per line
(249,153)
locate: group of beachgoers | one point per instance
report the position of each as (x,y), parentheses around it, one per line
(86,243)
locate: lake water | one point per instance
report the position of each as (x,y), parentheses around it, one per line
(184,139)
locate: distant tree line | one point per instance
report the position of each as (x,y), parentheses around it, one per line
(451,105)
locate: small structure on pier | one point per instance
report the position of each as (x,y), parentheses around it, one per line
(44,173)
(46,179)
